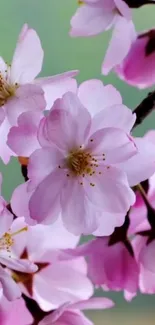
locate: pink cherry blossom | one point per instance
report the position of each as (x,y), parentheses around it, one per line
(71,313)
(106,113)
(78,166)
(56,280)
(14,313)
(19,92)
(94,17)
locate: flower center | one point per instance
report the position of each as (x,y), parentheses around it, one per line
(80,2)
(6,90)
(80,162)
(7,240)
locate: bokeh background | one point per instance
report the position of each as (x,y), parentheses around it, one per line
(51,20)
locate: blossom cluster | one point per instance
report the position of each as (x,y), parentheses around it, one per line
(84,173)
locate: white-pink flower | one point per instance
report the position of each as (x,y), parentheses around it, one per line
(20,92)
(80,169)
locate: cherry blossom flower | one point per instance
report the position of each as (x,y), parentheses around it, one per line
(80,161)
(71,313)
(63,147)
(56,281)
(14,312)
(19,92)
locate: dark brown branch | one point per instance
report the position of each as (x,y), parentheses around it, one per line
(144,108)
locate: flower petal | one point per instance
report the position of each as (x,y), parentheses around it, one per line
(111,191)
(41,163)
(107,151)
(78,214)
(118,116)
(90,20)
(11,289)
(122,38)
(16,264)
(22,139)
(93,303)
(45,201)
(67,124)
(28,57)
(142,165)
(96,97)
(56,86)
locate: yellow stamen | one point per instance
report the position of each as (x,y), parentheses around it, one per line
(19,231)
(7,90)
(80,2)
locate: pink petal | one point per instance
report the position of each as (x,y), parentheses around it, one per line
(22,139)
(142,165)
(71,103)
(107,223)
(68,317)
(90,20)
(146,256)
(56,86)
(106,150)
(17,264)
(122,38)
(78,214)
(111,186)
(44,201)
(14,312)
(93,303)
(28,97)
(65,283)
(10,288)
(96,97)
(67,125)
(55,315)
(6,219)
(5,151)
(20,200)
(123,8)
(42,162)
(2,115)
(28,57)
(118,116)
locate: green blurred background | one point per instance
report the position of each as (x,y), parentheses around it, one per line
(51,20)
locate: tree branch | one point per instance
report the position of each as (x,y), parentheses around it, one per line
(144,108)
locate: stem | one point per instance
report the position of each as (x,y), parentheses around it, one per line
(144,108)
(150,210)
